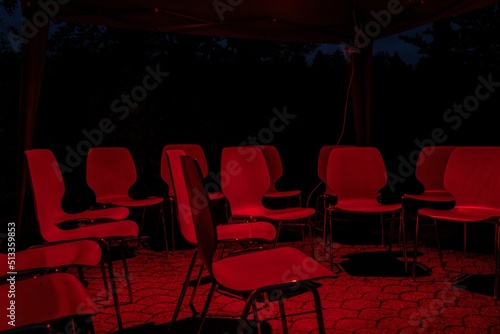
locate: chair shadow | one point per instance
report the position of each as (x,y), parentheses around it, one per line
(212,325)
(378,264)
(482,284)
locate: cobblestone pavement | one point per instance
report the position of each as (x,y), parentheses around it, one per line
(371,294)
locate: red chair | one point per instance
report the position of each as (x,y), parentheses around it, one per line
(110,173)
(473,179)
(356,175)
(56,225)
(246,181)
(195,151)
(51,257)
(328,195)
(275,165)
(429,171)
(53,303)
(240,233)
(251,276)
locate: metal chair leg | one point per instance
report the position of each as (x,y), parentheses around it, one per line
(183,291)
(440,252)
(205,308)
(415,246)
(114,291)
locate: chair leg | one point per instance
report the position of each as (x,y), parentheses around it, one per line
(465,239)
(329,212)
(284,323)
(162,218)
(325,212)
(172,221)
(382,229)
(278,229)
(206,307)
(415,246)
(183,291)
(317,307)
(256,316)
(193,293)
(114,291)
(391,231)
(141,228)
(246,309)
(309,224)
(496,288)
(125,270)
(105,281)
(402,233)
(440,252)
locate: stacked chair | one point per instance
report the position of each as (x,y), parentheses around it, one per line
(247,182)
(356,175)
(106,226)
(110,173)
(472,178)
(251,276)
(244,234)
(197,152)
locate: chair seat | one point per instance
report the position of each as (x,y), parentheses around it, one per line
(132,202)
(432,196)
(461,213)
(368,206)
(247,272)
(214,196)
(114,213)
(59,255)
(261,231)
(107,230)
(46,298)
(280,194)
(275,214)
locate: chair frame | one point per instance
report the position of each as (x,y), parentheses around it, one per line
(196,151)
(357,185)
(248,165)
(117,195)
(252,233)
(472,177)
(92,224)
(206,233)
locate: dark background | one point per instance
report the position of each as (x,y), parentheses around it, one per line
(220,92)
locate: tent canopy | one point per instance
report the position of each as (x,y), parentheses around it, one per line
(315,21)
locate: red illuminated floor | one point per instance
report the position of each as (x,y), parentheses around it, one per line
(371,295)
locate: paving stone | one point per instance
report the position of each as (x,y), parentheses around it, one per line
(371,304)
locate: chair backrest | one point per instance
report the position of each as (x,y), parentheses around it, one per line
(274,164)
(48,189)
(356,173)
(431,165)
(324,155)
(110,173)
(472,176)
(192,150)
(244,177)
(180,192)
(206,233)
